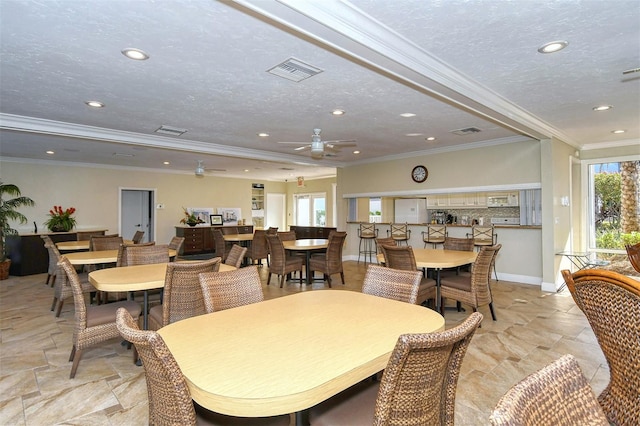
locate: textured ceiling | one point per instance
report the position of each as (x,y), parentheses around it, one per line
(455,64)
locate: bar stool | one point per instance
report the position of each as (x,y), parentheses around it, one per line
(367,247)
(435,234)
(484,236)
(400,232)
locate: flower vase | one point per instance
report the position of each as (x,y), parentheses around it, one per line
(191,223)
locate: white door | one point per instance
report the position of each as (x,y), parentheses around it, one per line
(136,213)
(275,208)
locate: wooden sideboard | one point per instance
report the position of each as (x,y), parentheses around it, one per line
(304,232)
(27,252)
(199,239)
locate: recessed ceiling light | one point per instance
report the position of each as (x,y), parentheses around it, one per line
(553,46)
(338,112)
(407,114)
(263,134)
(135,54)
(356,152)
(430,138)
(413,134)
(602,107)
(246,170)
(618,131)
(50,152)
(94,104)
(166,163)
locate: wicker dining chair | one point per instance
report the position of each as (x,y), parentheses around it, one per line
(105,242)
(137,237)
(392,283)
(93,324)
(611,303)
(460,244)
(121,260)
(62,288)
(235,256)
(182,292)
(418,386)
(287,235)
(472,289)
(633,253)
(259,248)
(52,270)
(402,258)
(170,401)
(330,262)
(230,289)
(558,394)
(220,244)
(281,264)
(176,244)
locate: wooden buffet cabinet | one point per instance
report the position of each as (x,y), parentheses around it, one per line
(304,232)
(199,239)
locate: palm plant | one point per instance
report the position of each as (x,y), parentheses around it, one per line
(9,212)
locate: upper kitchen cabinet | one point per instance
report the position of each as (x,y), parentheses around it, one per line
(459,200)
(503,199)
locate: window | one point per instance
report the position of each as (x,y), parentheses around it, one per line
(613,215)
(375,210)
(310,209)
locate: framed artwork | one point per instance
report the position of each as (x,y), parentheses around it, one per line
(230,216)
(202,213)
(216,219)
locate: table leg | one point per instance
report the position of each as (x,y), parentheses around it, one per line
(302,418)
(307,258)
(438,298)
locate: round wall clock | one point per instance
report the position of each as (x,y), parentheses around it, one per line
(419,174)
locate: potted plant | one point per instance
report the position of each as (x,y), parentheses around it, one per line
(61,220)
(8,211)
(190,218)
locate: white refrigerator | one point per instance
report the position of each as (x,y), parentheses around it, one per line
(410,210)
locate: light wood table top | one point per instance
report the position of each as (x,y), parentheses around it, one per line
(306,244)
(287,354)
(98,256)
(134,278)
(438,259)
(237,238)
(78,245)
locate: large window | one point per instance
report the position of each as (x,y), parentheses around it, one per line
(613,203)
(310,209)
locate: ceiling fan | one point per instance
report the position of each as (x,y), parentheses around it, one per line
(200,170)
(320,148)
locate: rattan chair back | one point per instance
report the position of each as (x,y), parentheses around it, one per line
(388,241)
(281,264)
(460,244)
(54,257)
(142,254)
(399,257)
(418,386)
(176,244)
(633,253)
(230,289)
(287,235)
(121,260)
(435,234)
(137,237)
(94,324)
(236,256)
(220,244)
(392,283)
(259,248)
(61,287)
(272,230)
(558,394)
(182,292)
(170,402)
(611,303)
(104,242)
(86,236)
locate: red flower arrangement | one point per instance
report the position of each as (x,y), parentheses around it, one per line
(61,219)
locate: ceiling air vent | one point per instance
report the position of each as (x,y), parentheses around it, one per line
(467,131)
(173,131)
(294,69)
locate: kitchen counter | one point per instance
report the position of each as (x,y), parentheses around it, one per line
(385,225)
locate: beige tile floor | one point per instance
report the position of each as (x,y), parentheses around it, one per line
(533,329)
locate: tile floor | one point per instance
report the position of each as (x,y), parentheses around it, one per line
(532,330)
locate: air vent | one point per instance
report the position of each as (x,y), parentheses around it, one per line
(173,131)
(467,131)
(295,70)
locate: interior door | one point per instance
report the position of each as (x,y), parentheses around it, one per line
(275,208)
(136,213)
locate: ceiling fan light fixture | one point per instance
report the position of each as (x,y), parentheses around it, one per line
(553,46)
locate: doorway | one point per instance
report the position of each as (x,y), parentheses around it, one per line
(275,208)
(137,213)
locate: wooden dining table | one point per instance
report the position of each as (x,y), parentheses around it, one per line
(288,354)
(308,247)
(97,257)
(78,245)
(438,260)
(243,239)
(135,278)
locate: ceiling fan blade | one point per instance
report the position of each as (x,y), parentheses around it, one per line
(302,148)
(296,143)
(340,141)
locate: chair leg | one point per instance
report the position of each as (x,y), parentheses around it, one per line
(493,314)
(48,278)
(53,304)
(328,278)
(269,279)
(76,360)
(53,280)
(60,303)
(282,280)
(342,276)
(442,299)
(458,305)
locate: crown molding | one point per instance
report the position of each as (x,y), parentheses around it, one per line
(611,144)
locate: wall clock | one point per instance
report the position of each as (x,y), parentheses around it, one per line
(419,174)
